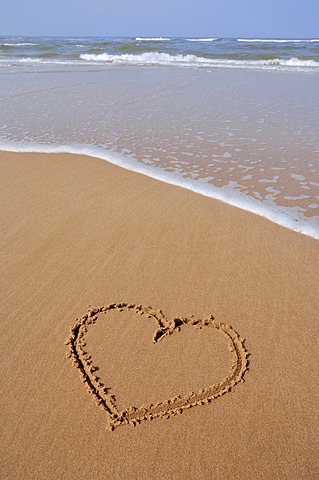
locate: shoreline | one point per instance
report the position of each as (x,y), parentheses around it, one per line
(78,231)
(275,214)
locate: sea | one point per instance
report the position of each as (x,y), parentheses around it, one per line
(235,119)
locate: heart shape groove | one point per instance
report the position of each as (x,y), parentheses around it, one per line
(82,360)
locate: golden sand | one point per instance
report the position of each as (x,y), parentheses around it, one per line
(76,232)
(90,375)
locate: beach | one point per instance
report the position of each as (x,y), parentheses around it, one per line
(78,232)
(159,258)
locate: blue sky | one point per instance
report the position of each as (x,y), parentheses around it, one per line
(224,18)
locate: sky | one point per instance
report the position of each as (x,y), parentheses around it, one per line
(172,18)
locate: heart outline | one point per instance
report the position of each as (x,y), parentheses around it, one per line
(82,360)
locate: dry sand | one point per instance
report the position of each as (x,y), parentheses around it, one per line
(76,231)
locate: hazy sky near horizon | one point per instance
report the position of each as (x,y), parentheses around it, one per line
(198,18)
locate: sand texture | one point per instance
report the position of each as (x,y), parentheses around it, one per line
(188,319)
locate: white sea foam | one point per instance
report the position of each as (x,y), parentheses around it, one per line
(160,58)
(265,40)
(146,58)
(202,39)
(152,39)
(17,44)
(40,61)
(298,63)
(284,216)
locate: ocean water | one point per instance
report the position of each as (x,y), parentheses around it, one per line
(233,119)
(196,52)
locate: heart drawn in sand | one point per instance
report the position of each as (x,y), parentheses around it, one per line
(82,360)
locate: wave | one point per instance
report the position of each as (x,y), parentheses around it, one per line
(202,39)
(152,39)
(136,48)
(158,58)
(17,44)
(40,61)
(265,40)
(283,216)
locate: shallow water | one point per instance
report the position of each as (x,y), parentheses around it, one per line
(248,137)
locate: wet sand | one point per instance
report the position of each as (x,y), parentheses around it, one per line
(77,231)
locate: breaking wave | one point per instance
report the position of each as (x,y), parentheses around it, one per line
(17,44)
(265,40)
(159,58)
(152,39)
(202,39)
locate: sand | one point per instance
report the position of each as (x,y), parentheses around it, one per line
(111,261)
